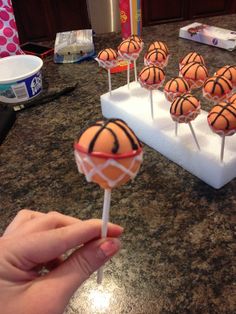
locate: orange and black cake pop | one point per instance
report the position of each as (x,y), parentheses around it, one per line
(108,153)
(194,73)
(129,49)
(217,88)
(107,54)
(156,57)
(175,87)
(107,58)
(151,77)
(228,71)
(159,45)
(222,118)
(192,57)
(185,108)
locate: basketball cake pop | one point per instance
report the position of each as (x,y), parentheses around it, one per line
(222,120)
(185,109)
(156,57)
(109,154)
(192,57)
(107,58)
(217,88)
(151,77)
(228,71)
(129,50)
(194,73)
(175,87)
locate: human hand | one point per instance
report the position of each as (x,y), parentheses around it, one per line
(35,239)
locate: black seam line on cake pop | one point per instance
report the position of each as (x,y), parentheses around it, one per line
(155,52)
(176,80)
(189,65)
(228,68)
(221,113)
(133,144)
(215,80)
(94,139)
(179,102)
(104,125)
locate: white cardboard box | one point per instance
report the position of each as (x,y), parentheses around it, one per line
(210,35)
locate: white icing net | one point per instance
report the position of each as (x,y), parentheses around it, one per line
(86,166)
(150,86)
(130,57)
(108,64)
(187,118)
(216,99)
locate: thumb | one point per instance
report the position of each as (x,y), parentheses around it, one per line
(81,264)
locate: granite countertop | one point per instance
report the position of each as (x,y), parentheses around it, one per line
(178,252)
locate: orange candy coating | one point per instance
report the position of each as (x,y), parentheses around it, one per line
(194,73)
(159,45)
(129,46)
(192,57)
(151,75)
(217,87)
(222,117)
(232,99)
(107,54)
(228,71)
(113,146)
(185,105)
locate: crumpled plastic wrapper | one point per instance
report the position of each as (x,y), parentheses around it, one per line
(74,46)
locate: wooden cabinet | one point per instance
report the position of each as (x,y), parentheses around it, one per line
(160,11)
(40,20)
(201,8)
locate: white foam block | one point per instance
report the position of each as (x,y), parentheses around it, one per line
(133,106)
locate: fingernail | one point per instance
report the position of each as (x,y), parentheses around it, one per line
(109,247)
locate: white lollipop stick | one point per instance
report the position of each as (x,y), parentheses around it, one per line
(151,101)
(105,219)
(109,80)
(194,135)
(135,71)
(222,148)
(176,128)
(128,73)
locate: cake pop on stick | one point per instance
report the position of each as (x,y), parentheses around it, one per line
(107,58)
(217,88)
(139,40)
(222,120)
(109,154)
(185,109)
(151,77)
(129,50)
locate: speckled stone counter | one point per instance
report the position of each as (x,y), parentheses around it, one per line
(178,252)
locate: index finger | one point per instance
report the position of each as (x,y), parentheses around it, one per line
(44,246)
